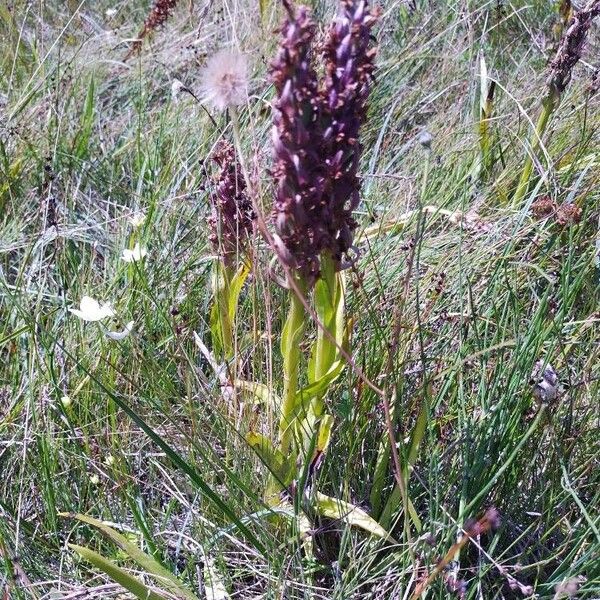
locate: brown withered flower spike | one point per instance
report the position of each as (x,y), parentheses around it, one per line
(571,47)
(232,218)
(161,10)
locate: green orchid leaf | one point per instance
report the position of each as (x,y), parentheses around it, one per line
(235,289)
(320,386)
(262,393)
(117,574)
(324,437)
(282,467)
(333,508)
(163,576)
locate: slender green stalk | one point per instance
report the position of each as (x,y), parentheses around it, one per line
(327,299)
(237,141)
(534,425)
(486,160)
(291,335)
(222,325)
(548,106)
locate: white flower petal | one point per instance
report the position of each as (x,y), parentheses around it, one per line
(137,219)
(120,335)
(90,310)
(107,309)
(134,255)
(88,304)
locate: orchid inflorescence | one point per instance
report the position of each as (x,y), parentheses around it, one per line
(316,135)
(571,47)
(232,215)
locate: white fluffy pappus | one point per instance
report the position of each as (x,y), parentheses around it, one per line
(224,80)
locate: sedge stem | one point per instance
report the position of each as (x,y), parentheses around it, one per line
(548,106)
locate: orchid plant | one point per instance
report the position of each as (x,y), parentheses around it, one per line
(317,151)
(231,223)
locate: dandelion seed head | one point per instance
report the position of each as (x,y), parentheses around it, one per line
(425,138)
(225,79)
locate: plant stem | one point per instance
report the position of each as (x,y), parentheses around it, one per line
(221,285)
(237,141)
(292,333)
(548,106)
(327,299)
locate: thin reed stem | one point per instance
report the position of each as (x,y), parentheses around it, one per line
(548,107)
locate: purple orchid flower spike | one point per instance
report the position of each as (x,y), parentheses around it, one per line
(349,67)
(316,136)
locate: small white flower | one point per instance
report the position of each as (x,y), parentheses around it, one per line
(176,89)
(137,219)
(134,255)
(110,13)
(120,335)
(425,138)
(66,401)
(91,310)
(225,79)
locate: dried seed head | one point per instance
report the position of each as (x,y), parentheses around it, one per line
(568,214)
(160,12)
(571,47)
(425,138)
(158,15)
(232,217)
(225,80)
(543,207)
(545,382)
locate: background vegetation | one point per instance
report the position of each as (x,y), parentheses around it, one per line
(454,304)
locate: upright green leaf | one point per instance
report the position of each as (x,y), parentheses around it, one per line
(87,121)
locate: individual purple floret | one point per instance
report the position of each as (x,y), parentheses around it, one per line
(232,216)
